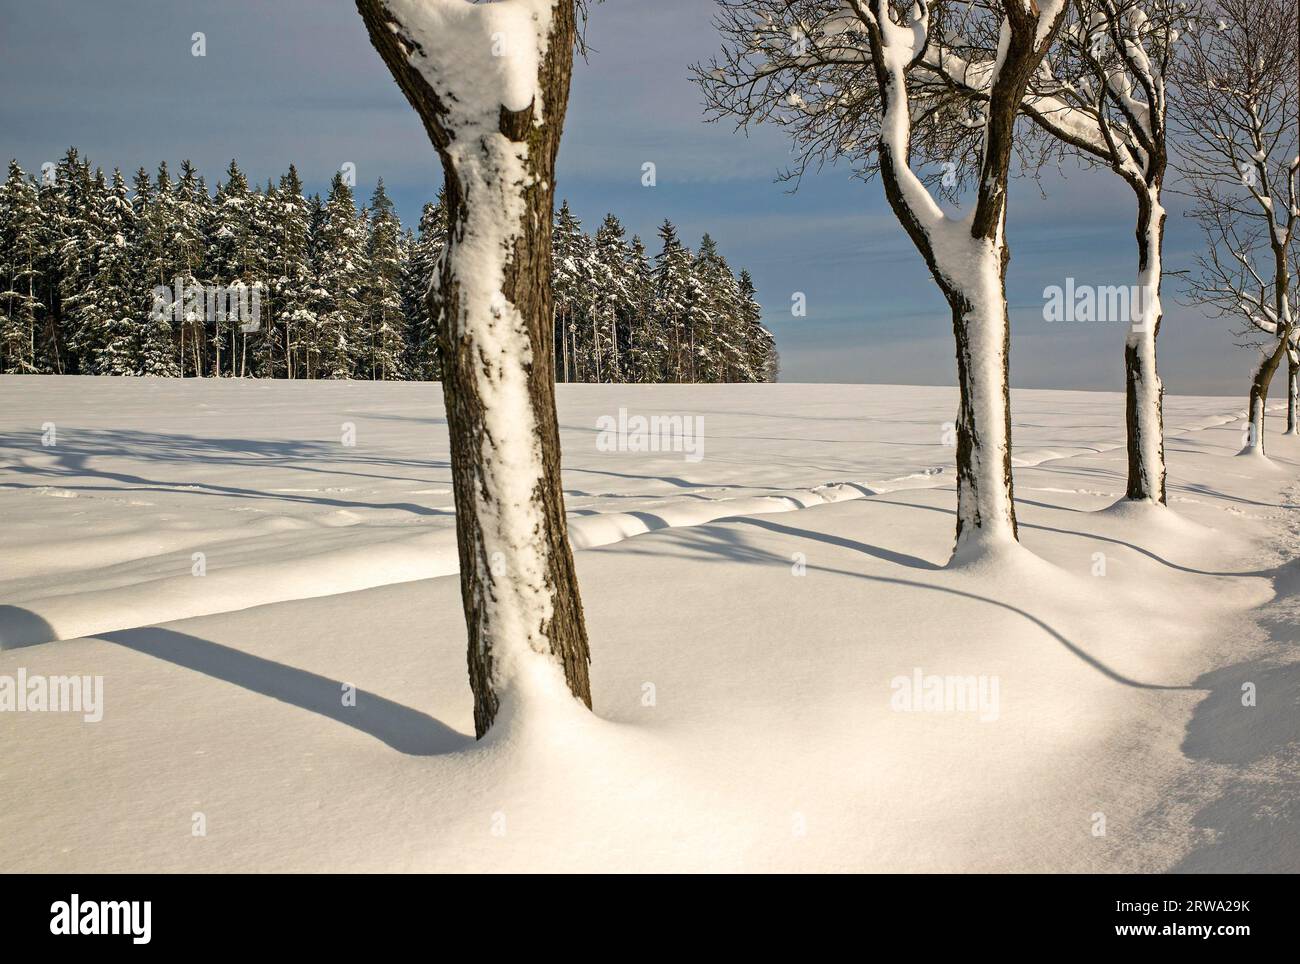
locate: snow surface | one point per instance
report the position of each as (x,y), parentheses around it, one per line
(746,716)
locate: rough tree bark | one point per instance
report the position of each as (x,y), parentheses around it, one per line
(1292,390)
(1143,391)
(518,585)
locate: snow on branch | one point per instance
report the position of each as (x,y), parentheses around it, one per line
(1101,94)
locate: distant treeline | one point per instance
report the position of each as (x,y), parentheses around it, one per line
(339,292)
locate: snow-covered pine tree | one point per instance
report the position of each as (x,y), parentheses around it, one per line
(359,338)
(385,328)
(114,297)
(718,336)
(584,342)
(156,257)
(51,351)
(318,299)
(261,345)
(414,306)
(289,274)
(673,292)
(90,315)
(697,321)
(734,335)
(763,360)
(341,249)
(77,239)
(645,347)
(611,306)
(572,283)
(418,278)
(21,251)
(229,263)
(192,210)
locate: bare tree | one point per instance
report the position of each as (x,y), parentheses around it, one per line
(1237,117)
(1101,95)
(849,79)
(491,84)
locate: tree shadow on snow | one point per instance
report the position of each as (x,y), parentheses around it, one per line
(1255,818)
(77,458)
(21,627)
(715,543)
(402,728)
(878,552)
(1092,537)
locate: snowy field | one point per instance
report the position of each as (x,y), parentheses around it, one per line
(230,557)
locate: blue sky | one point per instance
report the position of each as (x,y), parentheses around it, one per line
(297,81)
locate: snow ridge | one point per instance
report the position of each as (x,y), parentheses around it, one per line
(431,555)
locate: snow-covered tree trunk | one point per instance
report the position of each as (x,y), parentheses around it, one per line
(1257,403)
(967,257)
(1292,385)
(981,326)
(491,84)
(1143,392)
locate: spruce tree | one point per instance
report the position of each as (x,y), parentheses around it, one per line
(155,258)
(290,273)
(340,252)
(763,361)
(192,210)
(229,248)
(419,276)
(318,301)
(78,238)
(51,350)
(572,286)
(384,324)
(722,332)
(708,319)
(611,298)
(673,294)
(21,251)
(646,347)
(89,332)
(116,288)
(261,347)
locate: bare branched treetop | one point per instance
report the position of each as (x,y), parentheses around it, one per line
(806,66)
(1102,94)
(1236,116)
